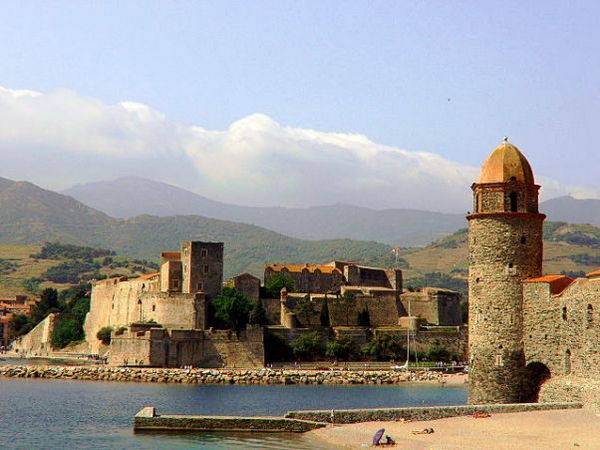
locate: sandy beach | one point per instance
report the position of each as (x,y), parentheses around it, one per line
(526,430)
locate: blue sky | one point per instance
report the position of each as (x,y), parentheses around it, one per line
(445,77)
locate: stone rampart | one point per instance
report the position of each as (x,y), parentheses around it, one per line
(118,303)
(37,341)
(342,416)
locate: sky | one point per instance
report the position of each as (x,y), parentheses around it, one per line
(383,104)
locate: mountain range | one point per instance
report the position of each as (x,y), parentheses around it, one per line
(32,215)
(131,196)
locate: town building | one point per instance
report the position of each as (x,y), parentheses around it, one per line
(10,307)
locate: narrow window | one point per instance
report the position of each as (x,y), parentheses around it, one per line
(203,253)
(589,316)
(564,313)
(200,286)
(153,307)
(205,268)
(523,240)
(510,265)
(513,201)
(567,361)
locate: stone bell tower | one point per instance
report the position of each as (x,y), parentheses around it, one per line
(505,247)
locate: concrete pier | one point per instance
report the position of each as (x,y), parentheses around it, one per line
(148,420)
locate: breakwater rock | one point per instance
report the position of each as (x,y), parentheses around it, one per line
(219,376)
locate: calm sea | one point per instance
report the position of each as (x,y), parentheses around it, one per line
(83,414)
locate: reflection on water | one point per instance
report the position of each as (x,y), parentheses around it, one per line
(38,413)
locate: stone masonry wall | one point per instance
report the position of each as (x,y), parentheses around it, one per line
(37,341)
(118,304)
(563,331)
(504,249)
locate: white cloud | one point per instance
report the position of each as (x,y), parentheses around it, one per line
(59,138)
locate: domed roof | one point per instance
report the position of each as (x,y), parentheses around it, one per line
(506,163)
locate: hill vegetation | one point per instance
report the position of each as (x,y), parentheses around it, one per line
(571,249)
(31,215)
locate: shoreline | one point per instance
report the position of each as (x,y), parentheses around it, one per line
(513,430)
(229,376)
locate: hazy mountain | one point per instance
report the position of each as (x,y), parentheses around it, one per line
(29,214)
(130,197)
(573,210)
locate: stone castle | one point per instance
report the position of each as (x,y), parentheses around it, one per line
(523,327)
(167,319)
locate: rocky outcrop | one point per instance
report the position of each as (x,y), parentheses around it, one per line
(219,376)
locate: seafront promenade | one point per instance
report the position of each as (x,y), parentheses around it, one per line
(227,376)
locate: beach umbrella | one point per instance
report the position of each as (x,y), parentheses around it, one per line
(378,436)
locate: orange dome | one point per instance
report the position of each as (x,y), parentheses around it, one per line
(506,163)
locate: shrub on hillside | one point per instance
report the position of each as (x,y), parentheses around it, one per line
(56,250)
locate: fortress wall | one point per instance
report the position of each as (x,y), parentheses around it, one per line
(113,303)
(455,342)
(37,341)
(566,340)
(225,348)
(119,304)
(172,310)
(383,311)
(272,310)
(436,306)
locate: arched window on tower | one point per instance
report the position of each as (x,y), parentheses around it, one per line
(589,317)
(564,313)
(514,197)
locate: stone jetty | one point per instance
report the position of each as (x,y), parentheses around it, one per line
(220,376)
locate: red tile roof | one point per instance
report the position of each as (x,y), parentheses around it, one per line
(558,283)
(148,276)
(300,268)
(594,274)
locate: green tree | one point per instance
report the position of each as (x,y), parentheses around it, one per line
(325,322)
(347,303)
(19,325)
(308,346)
(67,330)
(384,347)
(277,282)
(305,310)
(343,348)
(47,304)
(104,335)
(233,308)
(438,353)
(258,315)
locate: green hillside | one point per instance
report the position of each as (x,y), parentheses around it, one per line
(31,215)
(568,248)
(27,269)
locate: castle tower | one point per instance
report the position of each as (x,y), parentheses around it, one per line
(505,247)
